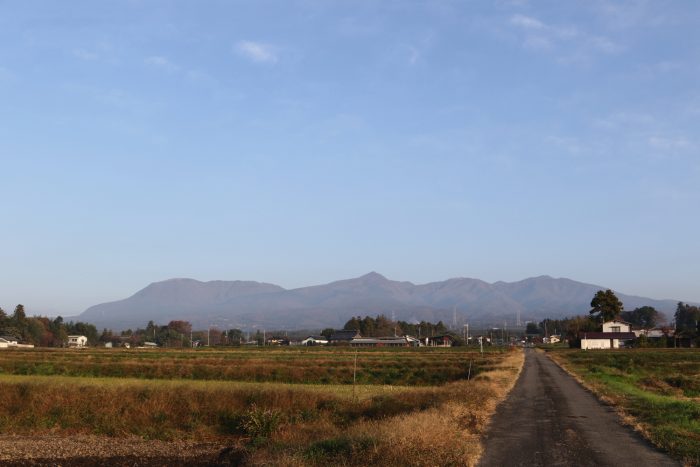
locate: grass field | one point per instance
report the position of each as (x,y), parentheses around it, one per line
(276,406)
(319,365)
(658,390)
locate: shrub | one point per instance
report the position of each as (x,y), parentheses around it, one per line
(259,423)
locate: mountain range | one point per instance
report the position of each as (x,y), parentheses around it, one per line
(251,305)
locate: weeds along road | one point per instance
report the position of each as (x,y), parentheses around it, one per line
(550,419)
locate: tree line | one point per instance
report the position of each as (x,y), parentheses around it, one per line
(43,331)
(381,326)
(605,306)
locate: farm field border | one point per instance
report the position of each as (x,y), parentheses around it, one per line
(655,391)
(269,423)
(423,367)
(75,383)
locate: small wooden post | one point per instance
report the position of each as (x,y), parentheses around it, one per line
(354,376)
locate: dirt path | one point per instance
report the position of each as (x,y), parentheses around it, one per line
(550,419)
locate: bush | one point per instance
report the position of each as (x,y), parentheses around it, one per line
(259,423)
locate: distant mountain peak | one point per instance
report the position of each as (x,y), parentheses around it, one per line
(373,276)
(176,279)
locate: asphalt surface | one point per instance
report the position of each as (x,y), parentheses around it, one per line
(549,419)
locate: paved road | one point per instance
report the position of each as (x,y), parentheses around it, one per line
(549,419)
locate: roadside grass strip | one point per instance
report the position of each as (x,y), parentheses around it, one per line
(653,391)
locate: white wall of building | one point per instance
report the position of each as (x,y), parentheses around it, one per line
(599,343)
(611,326)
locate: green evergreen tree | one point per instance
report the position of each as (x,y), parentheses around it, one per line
(4,320)
(605,306)
(18,320)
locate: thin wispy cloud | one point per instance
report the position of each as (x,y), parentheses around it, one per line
(571,145)
(669,143)
(626,14)
(574,44)
(416,50)
(257,51)
(161,62)
(85,54)
(606,45)
(413,55)
(620,120)
(117,98)
(526,22)
(537,43)
(199,76)
(513,3)
(666,66)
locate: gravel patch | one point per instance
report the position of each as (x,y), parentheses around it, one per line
(87,450)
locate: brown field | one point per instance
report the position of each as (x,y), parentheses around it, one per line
(313,417)
(319,365)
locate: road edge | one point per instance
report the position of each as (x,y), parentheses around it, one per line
(624,417)
(501,400)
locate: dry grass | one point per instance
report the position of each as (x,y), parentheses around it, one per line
(274,423)
(448,433)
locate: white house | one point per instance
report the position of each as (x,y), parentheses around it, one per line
(77,341)
(616,326)
(315,340)
(614,332)
(9,341)
(3,343)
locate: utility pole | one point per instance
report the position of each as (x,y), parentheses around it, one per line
(675,334)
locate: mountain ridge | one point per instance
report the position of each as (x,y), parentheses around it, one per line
(251,304)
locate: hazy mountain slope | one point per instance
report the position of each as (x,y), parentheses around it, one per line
(246,304)
(172,299)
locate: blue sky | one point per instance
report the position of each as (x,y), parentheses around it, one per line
(299,142)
